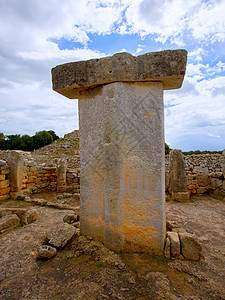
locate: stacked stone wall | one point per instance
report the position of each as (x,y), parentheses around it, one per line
(204,173)
(4,182)
(39,174)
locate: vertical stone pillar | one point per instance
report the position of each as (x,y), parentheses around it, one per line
(16,165)
(61,174)
(122,144)
(223,163)
(178,180)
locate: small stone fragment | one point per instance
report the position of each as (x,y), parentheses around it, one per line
(29,217)
(60,235)
(46,252)
(190,247)
(8,222)
(70,218)
(174,243)
(167,248)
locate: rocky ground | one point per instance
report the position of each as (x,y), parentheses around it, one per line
(85,269)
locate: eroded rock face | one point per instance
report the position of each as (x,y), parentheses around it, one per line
(174,243)
(60,235)
(178,180)
(166,66)
(61,174)
(8,222)
(122,144)
(16,164)
(190,247)
(70,218)
(224,163)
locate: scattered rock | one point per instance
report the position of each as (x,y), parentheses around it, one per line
(167,248)
(174,243)
(2,162)
(70,218)
(9,221)
(190,247)
(29,217)
(170,225)
(59,236)
(46,252)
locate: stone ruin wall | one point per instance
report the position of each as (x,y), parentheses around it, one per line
(204,174)
(39,174)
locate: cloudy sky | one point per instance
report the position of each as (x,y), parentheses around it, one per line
(36,35)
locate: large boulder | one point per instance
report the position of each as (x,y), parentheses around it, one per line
(8,222)
(178,180)
(190,247)
(166,66)
(59,235)
(174,243)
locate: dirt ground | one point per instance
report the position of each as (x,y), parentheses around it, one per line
(87,270)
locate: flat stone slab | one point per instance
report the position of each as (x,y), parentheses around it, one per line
(166,66)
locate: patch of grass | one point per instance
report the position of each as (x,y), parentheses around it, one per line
(60,141)
(97,264)
(120,253)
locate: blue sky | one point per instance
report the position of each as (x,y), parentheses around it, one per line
(36,36)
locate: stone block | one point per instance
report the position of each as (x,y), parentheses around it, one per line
(122,172)
(46,252)
(2,177)
(8,222)
(178,180)
(223,163)
(201,190)
(4,184)
(166,66)
(4,191)
(167,248)
(4,197)
(190,246)
(180,196)
(203,179)
(16,164)
(174,243)
(58,236)
(122,153)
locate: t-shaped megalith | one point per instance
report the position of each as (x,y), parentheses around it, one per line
(122,144)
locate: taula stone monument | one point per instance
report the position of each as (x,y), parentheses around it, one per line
(122,144)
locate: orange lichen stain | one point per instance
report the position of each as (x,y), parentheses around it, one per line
(151,114)
(141,238)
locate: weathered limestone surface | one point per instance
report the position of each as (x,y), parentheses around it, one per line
(122,144)
(178,180)
(16,165)
(224,163)
(167,67)
(122,165)
(61,174)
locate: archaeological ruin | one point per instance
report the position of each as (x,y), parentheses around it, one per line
(121,121)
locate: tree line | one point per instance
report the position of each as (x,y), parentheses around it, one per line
(26,142)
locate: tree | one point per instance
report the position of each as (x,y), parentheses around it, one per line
(53,134)
(26,143)
(12,142)
(42,138)
(167,149)
(2,140)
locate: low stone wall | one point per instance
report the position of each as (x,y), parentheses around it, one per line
(4,182)
(39,174)
(204,173)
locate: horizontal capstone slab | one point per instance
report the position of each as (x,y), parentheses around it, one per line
(167,66)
